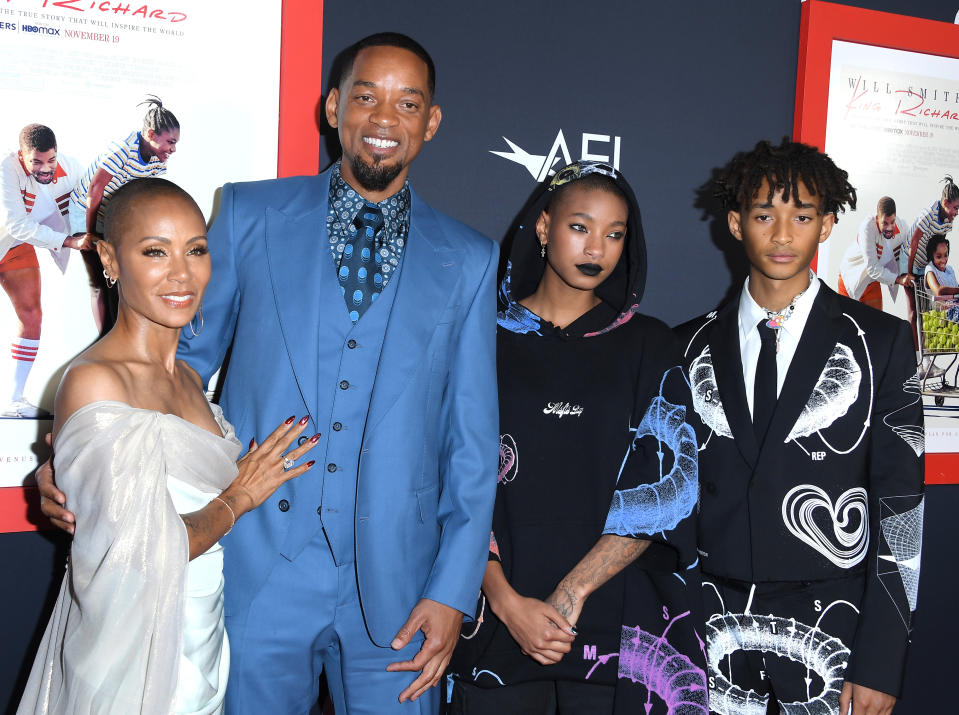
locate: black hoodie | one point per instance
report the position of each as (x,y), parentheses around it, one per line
(594,441)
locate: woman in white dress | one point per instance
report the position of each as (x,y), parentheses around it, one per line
(148,466)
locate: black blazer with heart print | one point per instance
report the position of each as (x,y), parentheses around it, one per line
(836,487)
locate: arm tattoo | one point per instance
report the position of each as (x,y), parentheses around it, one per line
(563,600)
(608,557)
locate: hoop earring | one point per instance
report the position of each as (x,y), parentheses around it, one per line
(110,281)
(542,250)
(194,330)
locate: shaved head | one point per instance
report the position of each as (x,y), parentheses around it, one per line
(135,195)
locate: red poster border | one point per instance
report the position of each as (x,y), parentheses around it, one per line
(298,152)
(820,24)
(301,79)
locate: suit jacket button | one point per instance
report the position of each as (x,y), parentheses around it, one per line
(331,467)
(351,343)
(344,384)
(710,488)
(337,426)
(284,505)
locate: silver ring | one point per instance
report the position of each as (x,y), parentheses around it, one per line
(287,463)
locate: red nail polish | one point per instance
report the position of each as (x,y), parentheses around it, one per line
(310,463)
(290,421)
(252,442)
(305,420)
(315,438)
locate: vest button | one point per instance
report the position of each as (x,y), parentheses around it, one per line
(351,343)
(302,439)
(284,505)
(331,467)
(337,426)
(344,384)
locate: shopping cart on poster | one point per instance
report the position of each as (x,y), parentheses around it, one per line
(937,326)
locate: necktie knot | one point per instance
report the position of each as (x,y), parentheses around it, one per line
(766,334)
(368,221)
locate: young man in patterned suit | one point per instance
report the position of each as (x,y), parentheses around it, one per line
(810,461)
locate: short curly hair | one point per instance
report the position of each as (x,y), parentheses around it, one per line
(38,138)
(783,167)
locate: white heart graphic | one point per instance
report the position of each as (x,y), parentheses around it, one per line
(798,508)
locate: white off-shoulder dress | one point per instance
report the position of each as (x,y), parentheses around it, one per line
(138,627)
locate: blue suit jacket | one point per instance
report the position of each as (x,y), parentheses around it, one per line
(427,468)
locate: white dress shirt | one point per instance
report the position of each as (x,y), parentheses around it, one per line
(750,313)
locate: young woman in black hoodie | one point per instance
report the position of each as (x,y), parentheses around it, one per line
(590,596)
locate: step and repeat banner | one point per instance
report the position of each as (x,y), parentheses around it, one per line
(83,68)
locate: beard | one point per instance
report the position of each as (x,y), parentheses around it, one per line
(43,177)
(375,177)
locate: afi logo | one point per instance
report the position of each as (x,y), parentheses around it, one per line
(541,166)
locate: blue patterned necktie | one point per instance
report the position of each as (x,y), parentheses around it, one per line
(360,273)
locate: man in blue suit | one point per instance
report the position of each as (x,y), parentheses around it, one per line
(345,297)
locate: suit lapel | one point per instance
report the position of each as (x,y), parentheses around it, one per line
(295,249)
(728,366)
(429,273)
(820,334)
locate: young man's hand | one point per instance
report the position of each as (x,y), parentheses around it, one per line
(864,701)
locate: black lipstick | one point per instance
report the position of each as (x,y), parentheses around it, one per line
(590,269)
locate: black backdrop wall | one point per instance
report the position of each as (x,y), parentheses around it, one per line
(673,89)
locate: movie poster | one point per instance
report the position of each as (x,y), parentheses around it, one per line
(893,124)
(82,68)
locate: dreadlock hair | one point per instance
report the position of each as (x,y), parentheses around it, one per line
(886,207)
(37,137)
(934,243)
(158,118)
(591,181)
(783,167)
(388,39)
(950,192)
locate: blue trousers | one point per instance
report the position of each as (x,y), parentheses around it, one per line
(307,620)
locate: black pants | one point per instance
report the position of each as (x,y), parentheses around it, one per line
(779,643)
(542,697)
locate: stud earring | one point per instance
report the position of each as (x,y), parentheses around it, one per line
(110,280)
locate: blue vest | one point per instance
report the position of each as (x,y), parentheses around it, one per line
(347,360)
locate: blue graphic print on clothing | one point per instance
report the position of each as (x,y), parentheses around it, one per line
(515,317)
(652,508)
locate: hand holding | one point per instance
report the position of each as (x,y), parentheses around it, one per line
(52,500)
(540,630)
(864,701)
(441,626)
(907,280)
(265,467)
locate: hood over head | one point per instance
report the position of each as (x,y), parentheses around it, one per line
(523,267)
